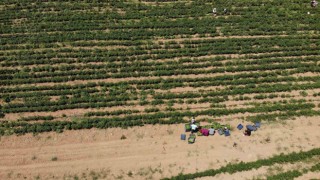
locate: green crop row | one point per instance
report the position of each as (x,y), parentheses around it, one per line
(36,118)
(146,83)
(246,166)
(294,173)
(129,120)
(156,55)
(25,78)
(111,113)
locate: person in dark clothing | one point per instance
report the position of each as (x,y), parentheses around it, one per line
(194,128)
(235,144)
(225,11)
(247,132)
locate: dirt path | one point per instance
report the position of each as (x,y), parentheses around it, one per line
(194,38)
(148,152)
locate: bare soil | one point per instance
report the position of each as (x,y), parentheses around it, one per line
(148,152)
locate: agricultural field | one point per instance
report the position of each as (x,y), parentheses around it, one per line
(71,68)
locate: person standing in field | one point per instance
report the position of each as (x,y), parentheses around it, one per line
(193,120)
(314,3)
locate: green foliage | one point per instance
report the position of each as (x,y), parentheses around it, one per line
(110,58)
(286,175)
(36,118)
(315,168)
(216,125)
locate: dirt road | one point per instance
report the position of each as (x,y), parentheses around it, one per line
(148,152)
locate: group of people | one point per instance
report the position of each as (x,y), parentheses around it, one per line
(214,11)
(247,132)
(195,128)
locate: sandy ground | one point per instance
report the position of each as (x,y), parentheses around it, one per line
(149,152)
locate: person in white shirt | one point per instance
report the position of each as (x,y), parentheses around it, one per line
(214,11)
(194,128)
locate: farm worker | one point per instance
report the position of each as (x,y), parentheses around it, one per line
(193,120)
(214,11)
(247,132)
(314,3)
(225,10)
(194,128)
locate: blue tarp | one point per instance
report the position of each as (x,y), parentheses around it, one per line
(251,128)
(257,124)
(240,126)
(227,133)
(183,137)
